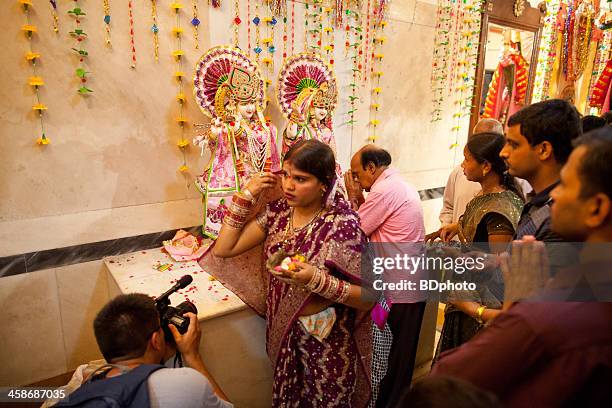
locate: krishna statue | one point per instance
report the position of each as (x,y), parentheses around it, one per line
(229,89)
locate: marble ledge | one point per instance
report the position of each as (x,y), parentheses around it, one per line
(139,272)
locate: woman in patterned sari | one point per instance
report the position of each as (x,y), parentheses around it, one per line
(488,224)
(318,325)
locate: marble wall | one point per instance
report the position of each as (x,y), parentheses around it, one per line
(111,168)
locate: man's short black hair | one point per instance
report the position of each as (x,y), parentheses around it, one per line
(124,325)
(595,168)
(607,116)
(591,122)
(375,155)
(555,121)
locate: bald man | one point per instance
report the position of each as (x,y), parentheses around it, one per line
(391,213)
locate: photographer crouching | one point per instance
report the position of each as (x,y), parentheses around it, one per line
(131,337)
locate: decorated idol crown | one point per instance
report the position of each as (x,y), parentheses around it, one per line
(243,85)
(304,80)
(325,97)
(226,73)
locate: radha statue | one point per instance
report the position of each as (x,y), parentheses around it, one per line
(307,95)
(229,89)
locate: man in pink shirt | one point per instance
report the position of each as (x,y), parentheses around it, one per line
(391,214)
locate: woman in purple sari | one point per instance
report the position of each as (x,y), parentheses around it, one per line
(318,326)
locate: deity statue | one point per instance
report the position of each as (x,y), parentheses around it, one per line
(307,95)
(229,88)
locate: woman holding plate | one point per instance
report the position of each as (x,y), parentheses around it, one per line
(318,326)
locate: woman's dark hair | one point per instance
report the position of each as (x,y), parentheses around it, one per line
(124,325)
(485,147)
(554,120)
(595,168)
(313,157)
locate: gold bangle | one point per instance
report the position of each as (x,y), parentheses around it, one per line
(480,311)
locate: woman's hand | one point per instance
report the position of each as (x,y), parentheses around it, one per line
(261,182)
(301,276)
(447,232)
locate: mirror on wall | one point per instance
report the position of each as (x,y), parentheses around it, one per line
(506,71)
(506,62)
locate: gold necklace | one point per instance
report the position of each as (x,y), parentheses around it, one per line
(305,225)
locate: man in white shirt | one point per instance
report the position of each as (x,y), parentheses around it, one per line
(130,336)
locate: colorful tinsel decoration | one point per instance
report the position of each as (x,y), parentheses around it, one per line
(455,55)
(155,30)
(107,20)
(132,42)
(547,52)
(55,16)
(195,23)
(257,22)
(236,22)
(178,54)
(271,22)
(34,81)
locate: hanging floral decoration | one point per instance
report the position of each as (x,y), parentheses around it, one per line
(35,81)
(353,45)
(55,16)
(328,46)
(107,20)
(455,56)
(378,40)
(155,30)
(178,55)
(80,35)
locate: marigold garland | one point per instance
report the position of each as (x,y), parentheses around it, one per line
(178,55)
(34,81)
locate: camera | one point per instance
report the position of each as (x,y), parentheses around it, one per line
(174,315)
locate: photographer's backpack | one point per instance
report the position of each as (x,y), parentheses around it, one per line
(126,390)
